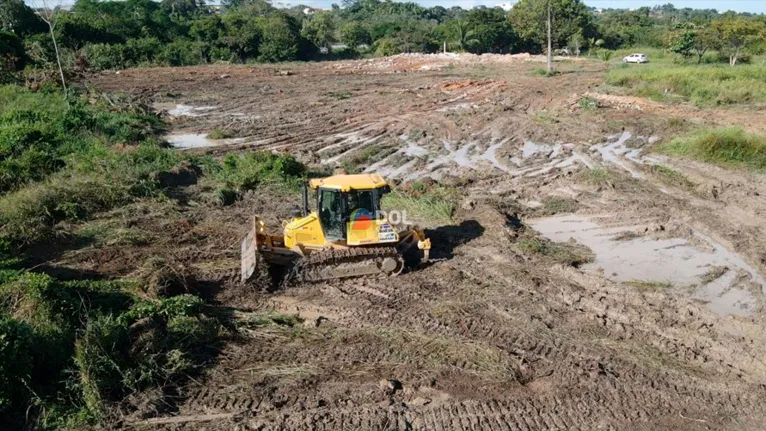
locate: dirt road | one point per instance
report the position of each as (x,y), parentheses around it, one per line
(663,329)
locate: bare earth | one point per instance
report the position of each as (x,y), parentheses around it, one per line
(663,331)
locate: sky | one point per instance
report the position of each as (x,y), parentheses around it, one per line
(755,6)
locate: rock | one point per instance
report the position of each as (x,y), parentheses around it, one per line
(314,323)
(390,386)
(468,204)
(420,401)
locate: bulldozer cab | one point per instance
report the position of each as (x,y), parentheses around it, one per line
(348,208)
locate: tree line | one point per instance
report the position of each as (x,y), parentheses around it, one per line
(101,35)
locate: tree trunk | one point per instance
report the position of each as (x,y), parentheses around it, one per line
(550,48)
(58,59)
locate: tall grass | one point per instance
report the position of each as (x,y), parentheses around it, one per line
(702,85)
(730,147)
(423,203)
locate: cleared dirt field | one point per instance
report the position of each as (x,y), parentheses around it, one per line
(651,318)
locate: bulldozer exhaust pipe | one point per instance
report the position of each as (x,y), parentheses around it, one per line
(305,199)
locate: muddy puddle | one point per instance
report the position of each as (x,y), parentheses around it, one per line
(197,140)
(528,159)
(697,264)
(182,110)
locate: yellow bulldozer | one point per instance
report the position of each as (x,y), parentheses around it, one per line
(347,235)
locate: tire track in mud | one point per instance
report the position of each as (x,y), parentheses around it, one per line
(561,411)
(606,307)
(617,391)
(572,362)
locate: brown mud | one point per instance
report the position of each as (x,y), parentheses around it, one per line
(494,333)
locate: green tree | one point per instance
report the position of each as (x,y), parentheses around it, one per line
(18,18)
(241,34)
(180,8)
(705,39)
(738,35)
(529,19)
(320,29)
(208,29)
(576,42)
(492,30)
(12,53)
(281,38)
(594,44)
(463,36)
(681,43)
(354,34)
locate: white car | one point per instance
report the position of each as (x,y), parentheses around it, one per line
(635,58)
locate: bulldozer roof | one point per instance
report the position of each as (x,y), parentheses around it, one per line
(345,183)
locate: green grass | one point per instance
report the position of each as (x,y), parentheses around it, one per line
(730,147)
(655,55)
(557,205)
(597,176)
(340,95)
(701,85)
(671,176)
(243,172)
(422,203)
(566,253)
(69,349)
(588,103)
(219,134)
(544,72)
(545,117)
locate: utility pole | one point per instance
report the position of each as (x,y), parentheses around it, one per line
(550,50)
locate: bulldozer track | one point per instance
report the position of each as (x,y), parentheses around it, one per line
(582,411)
(343,263)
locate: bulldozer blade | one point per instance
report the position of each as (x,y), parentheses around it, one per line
(249,252)
(249,260)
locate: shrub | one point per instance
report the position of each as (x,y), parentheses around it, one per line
(29,215)
(16,341)
(246,172)
(386,46)
(184,53)
(222,54)
(142,51)
(103,56)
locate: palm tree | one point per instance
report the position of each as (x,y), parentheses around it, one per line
(465,37)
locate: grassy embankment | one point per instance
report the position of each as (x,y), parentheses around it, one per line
(664,79)
(731,147)
(68,349)
(703,85)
